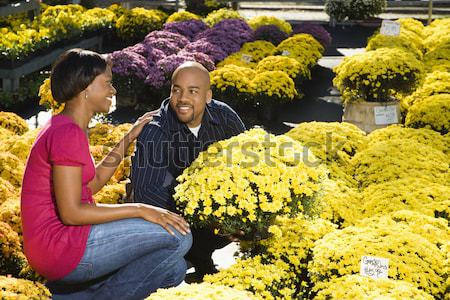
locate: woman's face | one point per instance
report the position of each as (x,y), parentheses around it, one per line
(101,91)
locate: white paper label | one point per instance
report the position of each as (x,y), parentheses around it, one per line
(385,114)
(285,53)
(374,267)
(390,28)
(246,58)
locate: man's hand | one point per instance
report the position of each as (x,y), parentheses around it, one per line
(164,218)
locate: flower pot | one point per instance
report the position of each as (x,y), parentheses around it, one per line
(369,116)
(267,112)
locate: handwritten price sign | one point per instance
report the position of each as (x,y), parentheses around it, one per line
(374,267)
(390,28)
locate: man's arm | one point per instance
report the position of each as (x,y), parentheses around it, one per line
(149,168)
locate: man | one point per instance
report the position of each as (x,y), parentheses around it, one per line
(188,122)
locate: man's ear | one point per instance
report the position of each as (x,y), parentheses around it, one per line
(208,96)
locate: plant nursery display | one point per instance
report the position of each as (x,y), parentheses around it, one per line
(308,206)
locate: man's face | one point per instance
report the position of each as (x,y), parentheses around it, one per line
(188,96)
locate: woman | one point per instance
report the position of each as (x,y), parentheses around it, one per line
(88,250)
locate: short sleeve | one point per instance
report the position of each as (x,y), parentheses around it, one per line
(68,146)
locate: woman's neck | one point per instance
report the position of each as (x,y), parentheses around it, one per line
(79,114)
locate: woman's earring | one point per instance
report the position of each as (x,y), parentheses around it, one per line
(85,95)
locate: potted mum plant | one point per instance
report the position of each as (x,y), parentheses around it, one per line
(371,84)
(241,184)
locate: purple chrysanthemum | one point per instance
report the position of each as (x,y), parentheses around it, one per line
(139,48)
(151,53)
(128,63)
(228,34)
(204,46)
(175,38)
(161,73)
(316,30)
(155,77)
(166,46)
(270,33)
(187,29)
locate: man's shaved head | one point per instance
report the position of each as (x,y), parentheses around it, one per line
(190,92)
(195,67)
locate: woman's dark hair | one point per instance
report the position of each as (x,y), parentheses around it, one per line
(73,71)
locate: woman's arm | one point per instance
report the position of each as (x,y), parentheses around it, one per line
(67,186)
(106,168)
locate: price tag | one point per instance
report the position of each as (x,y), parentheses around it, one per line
(374,267)
(246,58)
(385,115)
(390,28)
(285,53)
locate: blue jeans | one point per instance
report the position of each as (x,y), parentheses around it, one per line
(126,259)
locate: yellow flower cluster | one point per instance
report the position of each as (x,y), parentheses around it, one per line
(411,257)
(5,134)
(242,183)
(10,214)
(266,281)
(111,194)
(291,242)
(234,78)
(102,137)
(294,57)
(123,170)
(295,70)
(387,41)
(446,250)
(12,260)
(435,83)
(437,34)
(358,287)
(201,292)
(413,25)
(99,152)
(302,47)
(431,112)
(63,21)
(20,146)
(413,37)
(46,98)
(136,23)
(21,289)
(435,230)
(249,55)
(377,75)
(182,16)
(98,18)
(438,59)
(397,159)
(259,21)
(270,86)
(7,190)
(107,134)
(13,122)
(421,135)
(333,143)
(11,168)
(339,202)
(216,16)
